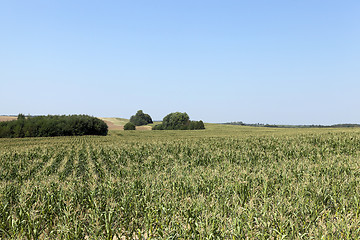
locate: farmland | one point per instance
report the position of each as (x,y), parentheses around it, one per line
(7,118)
(225,182)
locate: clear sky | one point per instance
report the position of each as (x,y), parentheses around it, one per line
(277,62)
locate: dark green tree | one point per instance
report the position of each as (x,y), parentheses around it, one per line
(140,118)
(178,121)
(21,116)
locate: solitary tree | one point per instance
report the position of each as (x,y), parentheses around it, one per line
(140,118)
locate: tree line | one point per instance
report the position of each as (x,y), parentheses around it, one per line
(53,125)
(346,125)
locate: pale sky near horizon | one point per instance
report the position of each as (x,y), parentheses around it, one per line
(276,62)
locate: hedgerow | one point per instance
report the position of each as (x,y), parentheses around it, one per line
(53,125)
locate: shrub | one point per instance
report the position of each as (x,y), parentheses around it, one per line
(129,126)
(158,127)
(196,125)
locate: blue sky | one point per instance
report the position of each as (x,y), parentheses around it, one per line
(278,62)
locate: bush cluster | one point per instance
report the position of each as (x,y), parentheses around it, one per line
(140,118)
(179,121)
(129,126)
(50,126)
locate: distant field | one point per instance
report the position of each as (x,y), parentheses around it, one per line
(7,118)
(225,182)
(118,124)
(115,123)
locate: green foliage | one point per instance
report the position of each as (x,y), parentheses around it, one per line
(140,118)
(50,126)
(178,121)
(21,116)
(129,126)
(226,182)
(158,127)
(193,125)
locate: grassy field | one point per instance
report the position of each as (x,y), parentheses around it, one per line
(118,124)
(225,182)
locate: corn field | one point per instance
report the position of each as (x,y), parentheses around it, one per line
(220,183)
